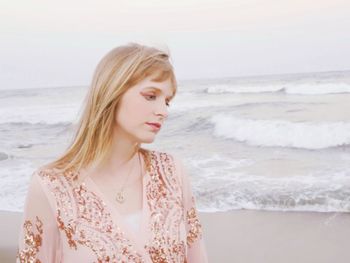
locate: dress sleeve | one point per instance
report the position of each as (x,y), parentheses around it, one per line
(39,239)
(196,250)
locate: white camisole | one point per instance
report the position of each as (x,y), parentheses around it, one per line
(133,220)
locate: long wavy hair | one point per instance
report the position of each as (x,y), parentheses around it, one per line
(120,69)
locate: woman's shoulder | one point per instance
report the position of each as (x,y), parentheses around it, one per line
(169,159)
(53,175)
(158,152)
(174,158)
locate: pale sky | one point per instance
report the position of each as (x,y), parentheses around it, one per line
(59,43)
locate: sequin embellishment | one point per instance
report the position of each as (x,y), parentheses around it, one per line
(32,241)
(85,220)
(195,231)
(166,209)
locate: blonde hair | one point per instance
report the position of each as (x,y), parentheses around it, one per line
(120,69)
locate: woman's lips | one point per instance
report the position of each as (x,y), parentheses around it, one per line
(155,126)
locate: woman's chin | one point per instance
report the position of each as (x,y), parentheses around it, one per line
(148,139)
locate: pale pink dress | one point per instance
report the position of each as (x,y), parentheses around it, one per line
(67,222)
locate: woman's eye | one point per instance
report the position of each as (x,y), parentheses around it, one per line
(151,97)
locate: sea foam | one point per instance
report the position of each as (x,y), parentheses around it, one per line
(298,89)
(282,133)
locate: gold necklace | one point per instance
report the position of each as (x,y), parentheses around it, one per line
(120,194)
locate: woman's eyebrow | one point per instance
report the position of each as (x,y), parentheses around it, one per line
(159,90)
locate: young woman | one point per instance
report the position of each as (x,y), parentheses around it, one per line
(107,199)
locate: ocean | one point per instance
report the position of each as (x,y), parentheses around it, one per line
(277,142)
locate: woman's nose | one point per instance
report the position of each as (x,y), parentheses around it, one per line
(162,110)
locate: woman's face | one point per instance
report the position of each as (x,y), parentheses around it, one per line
(141,106)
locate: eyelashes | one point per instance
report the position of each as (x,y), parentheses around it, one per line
(148,98)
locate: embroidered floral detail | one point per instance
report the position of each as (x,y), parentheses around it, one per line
(166,208)
(195,227)
(85,220)
(161,255)
(68,229)
(32,241)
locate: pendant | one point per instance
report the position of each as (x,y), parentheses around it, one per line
(120,197)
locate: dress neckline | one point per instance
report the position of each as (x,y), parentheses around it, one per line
(119,220)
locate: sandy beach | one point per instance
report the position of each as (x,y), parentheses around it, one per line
(248,236)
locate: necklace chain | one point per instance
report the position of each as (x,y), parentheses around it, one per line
(120,197)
